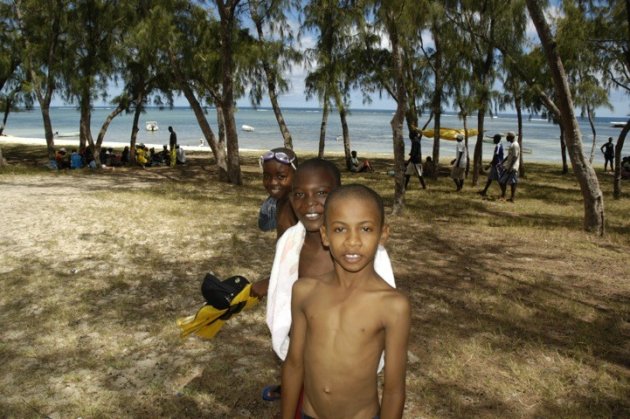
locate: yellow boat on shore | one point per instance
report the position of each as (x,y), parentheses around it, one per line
(450,134)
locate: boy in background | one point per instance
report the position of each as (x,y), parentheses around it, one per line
(278,166)
(345,319)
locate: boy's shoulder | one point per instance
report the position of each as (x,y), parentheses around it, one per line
(394,302)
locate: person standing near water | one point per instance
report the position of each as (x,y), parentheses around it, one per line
(173,143)
(459,164)
(609,154)
(414,164)
(510,167)
(495,164)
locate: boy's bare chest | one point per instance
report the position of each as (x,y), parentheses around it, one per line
(332,316)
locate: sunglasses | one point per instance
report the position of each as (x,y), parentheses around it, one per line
(280,156)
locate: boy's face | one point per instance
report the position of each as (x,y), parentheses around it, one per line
(310,190)
(353,232)
(277,178)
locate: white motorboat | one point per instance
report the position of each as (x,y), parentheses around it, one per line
(247,128)
(152,126)
(67,134)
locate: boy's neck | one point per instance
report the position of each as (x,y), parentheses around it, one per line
(354,279)
(313,238)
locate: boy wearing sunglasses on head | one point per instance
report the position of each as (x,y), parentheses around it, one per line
(278,166)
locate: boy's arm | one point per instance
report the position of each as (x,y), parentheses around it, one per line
(397,325)
(293,366)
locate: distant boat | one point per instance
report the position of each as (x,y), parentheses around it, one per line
(152,126)
(67,134)
(247,128)
(617,124)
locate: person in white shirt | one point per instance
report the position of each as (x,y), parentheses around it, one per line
(180,155)
(459,164)
(510,167)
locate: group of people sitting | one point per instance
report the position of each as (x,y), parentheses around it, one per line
(149,157)
(145,157)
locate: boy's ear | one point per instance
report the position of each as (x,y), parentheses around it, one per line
(384,235)
(324,234)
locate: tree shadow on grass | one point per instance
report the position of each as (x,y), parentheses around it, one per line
(456,274)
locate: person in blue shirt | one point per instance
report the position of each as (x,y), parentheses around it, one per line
(495,164)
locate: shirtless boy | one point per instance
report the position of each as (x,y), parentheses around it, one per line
(345,319)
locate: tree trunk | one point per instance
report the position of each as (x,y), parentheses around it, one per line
(134,128)
(85,121)
(7,109)
(221,124)
(227,12)
(217,149)
(341,108)
(271,86)
(436,102)
(618,149)
(519,125)
(322,129)
(436,143)
(397,123)
(48,130)
(563,151)
(101,134)
(466,145)
(478,155)
(589,111)
(594,216)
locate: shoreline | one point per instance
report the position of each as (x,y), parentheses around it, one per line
(72,141)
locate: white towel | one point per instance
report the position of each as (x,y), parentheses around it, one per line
(285,272)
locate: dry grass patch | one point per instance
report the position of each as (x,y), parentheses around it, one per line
(516,312)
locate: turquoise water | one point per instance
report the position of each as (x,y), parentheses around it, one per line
(369,130)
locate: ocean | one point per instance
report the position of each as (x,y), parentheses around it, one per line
(370,131)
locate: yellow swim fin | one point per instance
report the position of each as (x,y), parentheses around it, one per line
(209,320)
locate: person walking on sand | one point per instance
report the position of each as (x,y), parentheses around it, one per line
(459,164)
(510,167)
(495,164)
(414,164)
(609,154)
(173,143)
(350,312)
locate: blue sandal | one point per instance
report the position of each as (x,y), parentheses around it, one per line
(271,393)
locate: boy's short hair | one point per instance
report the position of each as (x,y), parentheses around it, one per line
(356,190)
(317,163)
